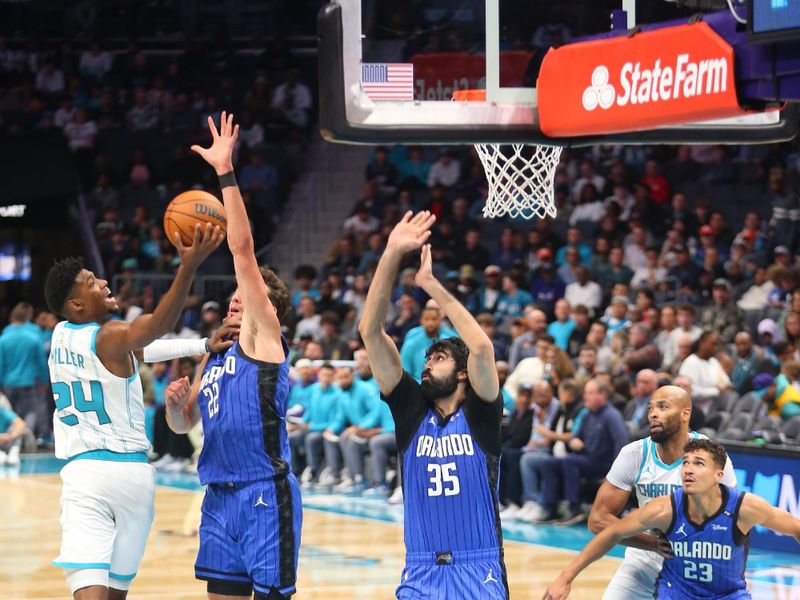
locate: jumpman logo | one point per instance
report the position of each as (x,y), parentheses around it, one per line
(648,470)
(682,530)
(489,578)
(260,501)
(432,420)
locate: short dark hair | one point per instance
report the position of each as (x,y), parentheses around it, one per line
(685,307)
(587,346)
(570,386)
(278,293)
(327,366)
(452,346)
(717,451)
(59,283)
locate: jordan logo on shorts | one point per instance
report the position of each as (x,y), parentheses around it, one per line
(260,501)
(490,578)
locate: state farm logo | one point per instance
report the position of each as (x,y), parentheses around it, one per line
(600,93)
(686,79)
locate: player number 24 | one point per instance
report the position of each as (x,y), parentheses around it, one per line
(66,395)
(443,479)
(690,571)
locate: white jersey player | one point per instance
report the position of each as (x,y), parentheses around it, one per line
(650,468)
(108,485)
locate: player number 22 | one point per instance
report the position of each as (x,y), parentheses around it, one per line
(212,394)
(443,479)
(690,571)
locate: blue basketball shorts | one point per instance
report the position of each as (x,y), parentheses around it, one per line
(250,536)
(466,575)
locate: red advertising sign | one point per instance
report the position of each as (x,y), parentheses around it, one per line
(669,76)
(437,76)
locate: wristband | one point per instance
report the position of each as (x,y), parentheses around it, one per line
(228,180)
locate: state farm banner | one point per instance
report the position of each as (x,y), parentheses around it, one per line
(669,76)
(438,75)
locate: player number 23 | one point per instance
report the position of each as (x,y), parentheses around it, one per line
(212,395)
(443,479)
(690,571)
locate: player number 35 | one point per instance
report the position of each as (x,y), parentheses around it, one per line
(443,479)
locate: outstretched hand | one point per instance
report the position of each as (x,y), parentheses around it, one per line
(220,154)
(425,274)
(177,394)
(411,232)
(206,240)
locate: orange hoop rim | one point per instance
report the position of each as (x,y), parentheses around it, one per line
(469,95)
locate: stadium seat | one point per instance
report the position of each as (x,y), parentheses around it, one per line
(718,421)
(749,403)
(726,401)
(738,428)
(791,431)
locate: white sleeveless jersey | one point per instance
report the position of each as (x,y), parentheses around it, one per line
(95,409)
(638,467)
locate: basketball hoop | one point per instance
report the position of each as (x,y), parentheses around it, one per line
(520,176)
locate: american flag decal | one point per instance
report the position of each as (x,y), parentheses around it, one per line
(388,81)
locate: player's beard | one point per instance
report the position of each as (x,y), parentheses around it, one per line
(669,427)
(435,389)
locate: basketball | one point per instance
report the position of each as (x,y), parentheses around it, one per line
(188,209)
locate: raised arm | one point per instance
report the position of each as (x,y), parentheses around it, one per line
(117,339)
(480,364)
(408,235)
(261,331)
(757,511)
(609,503)
(656,515)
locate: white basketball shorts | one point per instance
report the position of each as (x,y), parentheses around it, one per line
(107,509)
(635,578)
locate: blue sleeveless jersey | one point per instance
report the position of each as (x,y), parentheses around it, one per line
(450,472)
(710,558)
(243,405)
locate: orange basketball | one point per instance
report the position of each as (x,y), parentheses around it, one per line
(190,208)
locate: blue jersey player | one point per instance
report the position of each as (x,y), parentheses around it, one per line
(448,436)
(707,525)
(252,513)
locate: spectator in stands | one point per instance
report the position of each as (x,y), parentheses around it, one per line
(567,271)
(258,175)
(702,367)
(583,291)
(381,172)
(686,326)
(525,345)
(530,369)
(513,301)
(413,173)
(601,435)
(502,376)
(309,323)
(587,177)
(12,428)
(488,324)
(778,393)
(587,363)
(723,316)
(547,288)
(382,445)
(80,132)
(617,317)
(615,272)
(635,248)
(301,384)
(417,340)
(589,208)
(561,329)
(641,353)
(514,436)
(473,252)
(304,276)
(579,333)
(750,361)
(656,183)
(685,270)
(361,224)
(50,79)
(574,240)
(636,409)
(292,94)
(24,372)
(324,402)
(445,171)
(142,116)
(407,318)
(791,330)
(334,345)
(95,62)
(557,365)
(685,346)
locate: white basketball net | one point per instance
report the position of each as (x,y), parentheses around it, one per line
(520,179)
